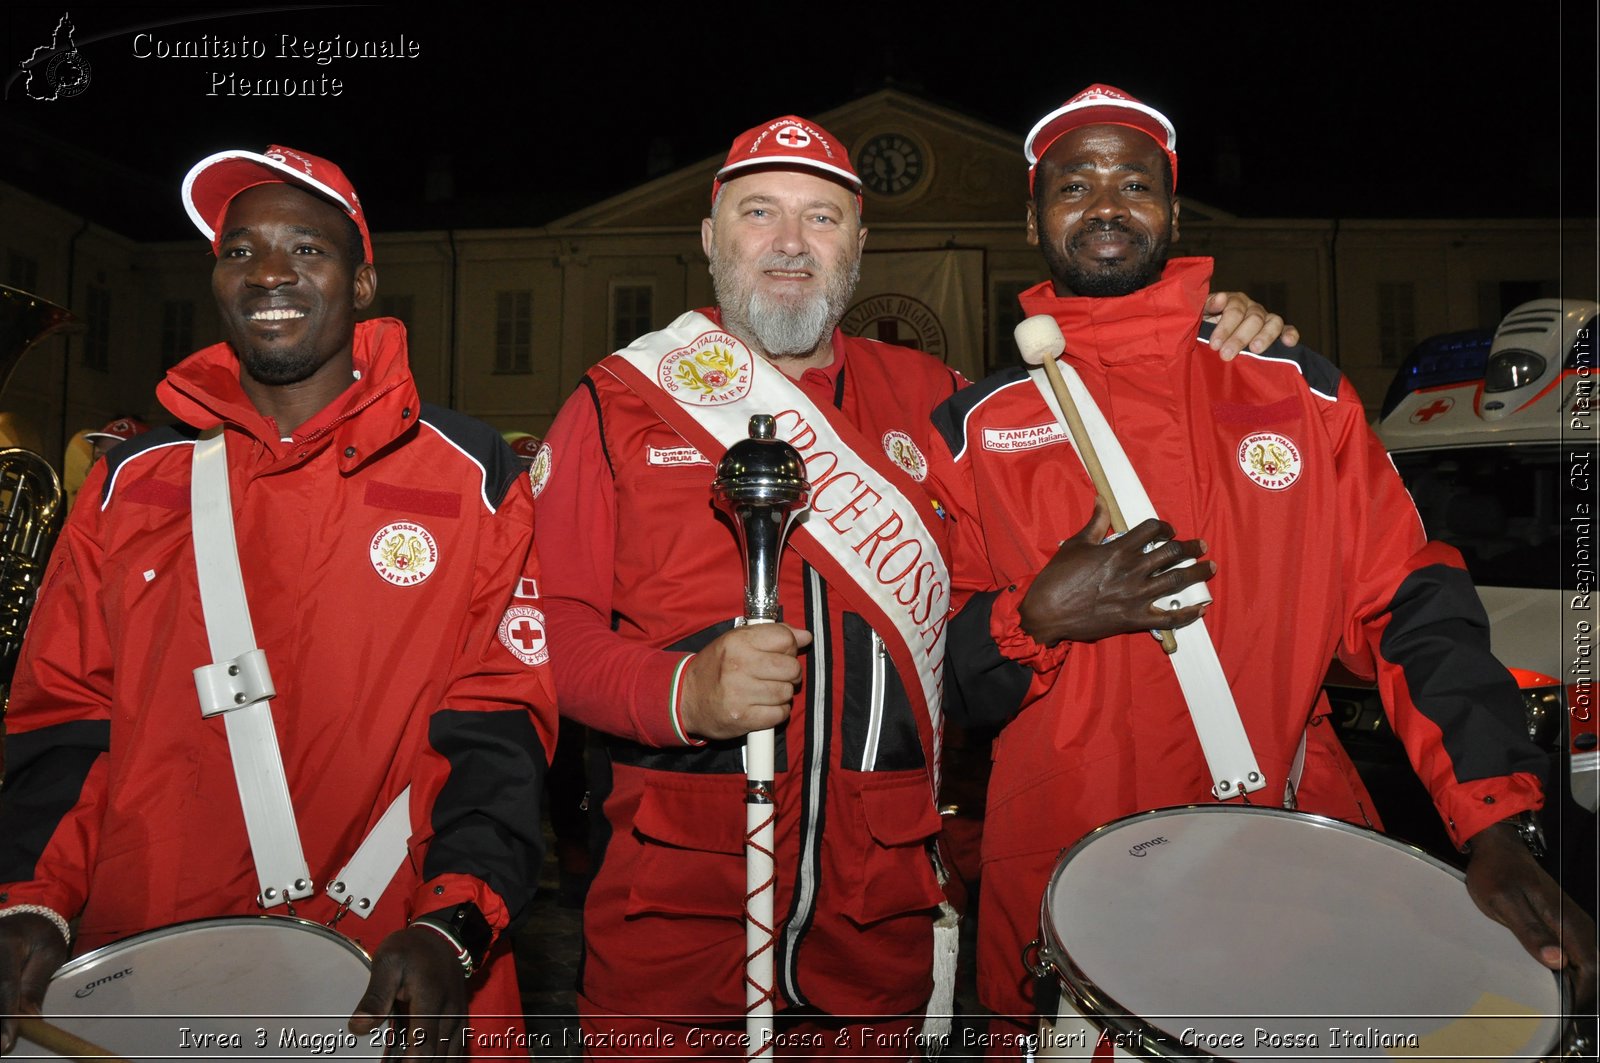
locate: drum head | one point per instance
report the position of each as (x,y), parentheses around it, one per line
(257,986)
(1254,933)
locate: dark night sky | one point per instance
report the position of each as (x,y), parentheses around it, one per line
(1361,109)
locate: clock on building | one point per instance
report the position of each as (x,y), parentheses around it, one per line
(891,164)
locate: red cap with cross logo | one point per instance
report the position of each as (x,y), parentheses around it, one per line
(788,143)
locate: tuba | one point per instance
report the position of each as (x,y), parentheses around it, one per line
(31,499)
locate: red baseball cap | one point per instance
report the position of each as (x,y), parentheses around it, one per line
(215,180)
(789,143)
(1100,105)
(121,429)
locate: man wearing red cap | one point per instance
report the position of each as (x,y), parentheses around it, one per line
(644,580)
(118,431)
(1301,530)
(374,707)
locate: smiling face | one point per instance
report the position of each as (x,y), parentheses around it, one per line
(288,284)
(1102,211)
(785,250)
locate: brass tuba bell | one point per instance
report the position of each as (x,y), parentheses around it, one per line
(31,499)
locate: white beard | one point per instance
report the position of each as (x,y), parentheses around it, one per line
(782,329)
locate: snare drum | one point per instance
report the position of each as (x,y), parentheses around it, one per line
(258,986)
(1253,933)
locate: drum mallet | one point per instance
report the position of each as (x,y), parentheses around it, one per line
(62,1042)
(761,485)
(1041,343)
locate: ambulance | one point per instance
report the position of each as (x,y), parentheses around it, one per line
(1494,434)
(1498,450)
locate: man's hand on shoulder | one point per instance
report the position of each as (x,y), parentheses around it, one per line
(31,949)
(1242,322)
(744,681)
(417,983)
(1510,887)
(1092,589)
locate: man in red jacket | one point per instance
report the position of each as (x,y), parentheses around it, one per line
(389,579)
(1292,513)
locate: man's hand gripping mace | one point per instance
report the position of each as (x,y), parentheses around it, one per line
(761,484)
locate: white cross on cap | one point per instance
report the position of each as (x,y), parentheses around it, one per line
(792,136)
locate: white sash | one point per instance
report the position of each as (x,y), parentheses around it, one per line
(718,383)
(1229,757)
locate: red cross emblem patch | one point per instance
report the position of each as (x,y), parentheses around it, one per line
(792,137)
(522,632)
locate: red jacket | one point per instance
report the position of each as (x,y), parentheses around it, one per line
(120,805)
(1319,552)
(640,572)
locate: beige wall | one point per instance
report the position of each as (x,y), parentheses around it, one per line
(1322,275)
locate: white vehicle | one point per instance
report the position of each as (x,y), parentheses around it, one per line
(1497,447)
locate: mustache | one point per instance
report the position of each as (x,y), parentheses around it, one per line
(779,260)
(1108,225)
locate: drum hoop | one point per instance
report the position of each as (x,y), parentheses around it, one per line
(77,963)
(1095,1005)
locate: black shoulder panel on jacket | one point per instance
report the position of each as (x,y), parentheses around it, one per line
(482,444)
(587,384)
(1322,376)
(161,436)
(950,418)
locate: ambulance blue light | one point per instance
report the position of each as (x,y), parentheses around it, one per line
(1451,358)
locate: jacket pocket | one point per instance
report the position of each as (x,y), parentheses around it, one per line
(894,874)
(691,851)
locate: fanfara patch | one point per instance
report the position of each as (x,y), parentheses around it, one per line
(1029,438)
(522,632)
(714,370)
(404,553)
(1271,460)
(904,453)
(539,470)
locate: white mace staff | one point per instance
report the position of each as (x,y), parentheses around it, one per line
(761,484)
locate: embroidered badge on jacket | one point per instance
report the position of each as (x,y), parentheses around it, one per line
(1270,459)
(404,553)
(539,471)
(904,453)
(522,632)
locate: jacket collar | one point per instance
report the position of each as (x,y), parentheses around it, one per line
(203,390)
(1155,323)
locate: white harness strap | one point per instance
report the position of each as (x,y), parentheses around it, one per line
(1229,757)
(238,686)
(360,883)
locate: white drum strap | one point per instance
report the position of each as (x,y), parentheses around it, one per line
(238,685)
(1229,757)
(360,883)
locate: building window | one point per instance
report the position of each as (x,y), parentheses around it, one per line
(631,307)
(177,331)
(22,272)
(1004,316)
(97,335)
(513,332)
(1397,320)
(401,307)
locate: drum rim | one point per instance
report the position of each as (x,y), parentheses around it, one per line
(77,963)
(1094,1005)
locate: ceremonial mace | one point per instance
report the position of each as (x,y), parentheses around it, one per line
(1041,343)
(761,484)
